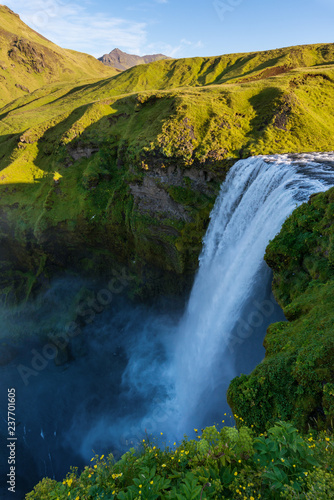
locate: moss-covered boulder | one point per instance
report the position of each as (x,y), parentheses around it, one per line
(295,380)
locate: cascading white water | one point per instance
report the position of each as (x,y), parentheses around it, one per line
(257,196)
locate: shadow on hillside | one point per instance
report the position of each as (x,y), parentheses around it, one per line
(16,142)
(123,123)
(8,143)
(224,77)
(264,105)
(74,90)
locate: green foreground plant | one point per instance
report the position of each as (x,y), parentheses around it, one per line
(229,463)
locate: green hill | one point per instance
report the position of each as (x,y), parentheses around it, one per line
(127,168)
(29,61)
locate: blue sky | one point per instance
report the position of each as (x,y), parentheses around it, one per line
(183,28)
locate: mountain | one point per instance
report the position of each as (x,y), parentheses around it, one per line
(28,60)
(121,60)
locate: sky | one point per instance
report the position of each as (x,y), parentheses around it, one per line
(178,28)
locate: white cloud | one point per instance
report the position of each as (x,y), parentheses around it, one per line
(70,25)
(182,49)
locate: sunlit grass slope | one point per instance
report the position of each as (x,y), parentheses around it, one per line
(29,61)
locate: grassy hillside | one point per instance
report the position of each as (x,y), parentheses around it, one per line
(29,61)
(230,68)
(128,167)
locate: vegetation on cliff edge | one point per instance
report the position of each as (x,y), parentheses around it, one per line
(295,381)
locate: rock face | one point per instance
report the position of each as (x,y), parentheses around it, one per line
(121,60)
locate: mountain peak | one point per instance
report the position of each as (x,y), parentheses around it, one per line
(121,60)
(7,9)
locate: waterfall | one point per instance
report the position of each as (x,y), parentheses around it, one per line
(257,196)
